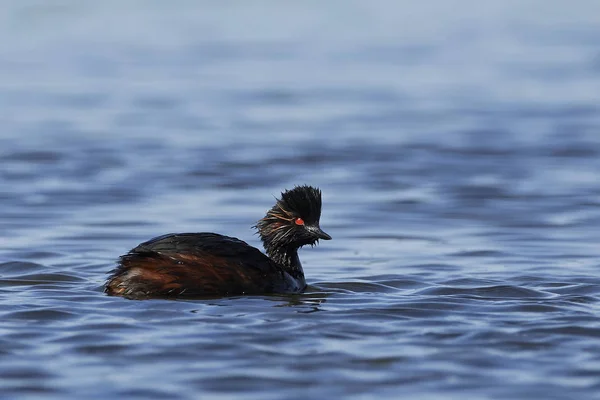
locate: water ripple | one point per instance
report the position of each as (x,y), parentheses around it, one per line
(457,150)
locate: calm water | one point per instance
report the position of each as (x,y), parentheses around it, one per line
(457,145)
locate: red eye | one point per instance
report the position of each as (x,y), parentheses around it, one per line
(299,221)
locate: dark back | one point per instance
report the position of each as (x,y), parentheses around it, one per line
(196,264)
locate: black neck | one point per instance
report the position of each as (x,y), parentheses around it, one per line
(287,258)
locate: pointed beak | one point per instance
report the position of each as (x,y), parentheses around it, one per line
(320,234)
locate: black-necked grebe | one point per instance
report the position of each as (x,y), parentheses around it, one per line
(209,264)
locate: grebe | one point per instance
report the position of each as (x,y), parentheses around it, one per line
(209,264)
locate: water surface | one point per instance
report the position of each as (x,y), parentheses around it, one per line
(457,146)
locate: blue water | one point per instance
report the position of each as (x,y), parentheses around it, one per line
(457,145)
